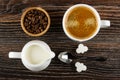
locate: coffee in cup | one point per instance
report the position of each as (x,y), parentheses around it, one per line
(82,22)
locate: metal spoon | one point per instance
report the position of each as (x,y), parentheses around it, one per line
(63,56)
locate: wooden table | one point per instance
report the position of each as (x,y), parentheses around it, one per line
(105,45)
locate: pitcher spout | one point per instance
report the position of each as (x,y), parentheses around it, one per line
(52,54)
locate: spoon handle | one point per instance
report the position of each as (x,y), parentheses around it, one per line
(97,58)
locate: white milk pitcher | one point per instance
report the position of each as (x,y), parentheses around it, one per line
(36,55)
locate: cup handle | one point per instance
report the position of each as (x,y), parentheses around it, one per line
(105,23)
(14,55)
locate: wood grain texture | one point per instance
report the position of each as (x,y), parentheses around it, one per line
(106,44)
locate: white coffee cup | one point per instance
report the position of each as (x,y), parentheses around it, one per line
(36,55)
(101,23)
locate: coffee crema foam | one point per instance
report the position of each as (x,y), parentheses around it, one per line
(81,23)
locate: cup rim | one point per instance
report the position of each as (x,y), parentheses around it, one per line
(22,20)
(27,45)
(66,14)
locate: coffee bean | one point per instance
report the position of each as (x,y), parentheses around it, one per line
(46,19)
(35,21)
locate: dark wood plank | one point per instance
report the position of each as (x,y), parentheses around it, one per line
(106,44)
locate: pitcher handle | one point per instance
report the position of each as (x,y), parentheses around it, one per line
(14,55)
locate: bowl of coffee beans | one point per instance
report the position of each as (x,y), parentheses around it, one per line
(35,21)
